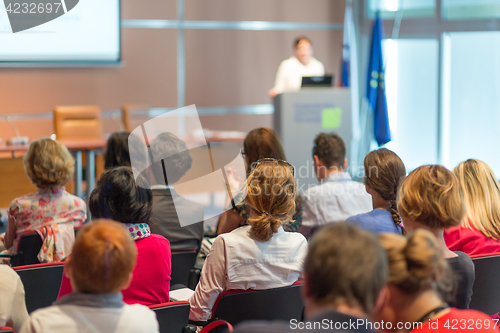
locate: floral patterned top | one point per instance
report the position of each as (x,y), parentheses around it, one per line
(53,213)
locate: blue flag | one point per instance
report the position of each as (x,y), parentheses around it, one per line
(375,92)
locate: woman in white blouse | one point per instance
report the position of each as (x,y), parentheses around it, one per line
(260,255)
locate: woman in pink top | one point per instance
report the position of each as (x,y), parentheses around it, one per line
(118,197)
(479,234)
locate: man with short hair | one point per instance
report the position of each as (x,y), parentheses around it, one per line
(346,270)
(337,197)
(168,206)
(291,70)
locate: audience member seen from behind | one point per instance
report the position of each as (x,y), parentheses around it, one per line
(51,210)
(479,233)
(259,143)
(431,198)
(384,173)
(118,197)
(100,267)
(168,206)
(345,273)
(418,273)
(13,311)
(258,256)
(337,197)
(117,152)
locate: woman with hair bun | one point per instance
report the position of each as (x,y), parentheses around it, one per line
(418,274)
(384,173)
(431,198)
(260,255)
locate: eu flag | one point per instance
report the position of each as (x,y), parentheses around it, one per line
(375,92)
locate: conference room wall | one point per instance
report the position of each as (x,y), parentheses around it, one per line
(224,67)
(149,9)
(317,11)
(145,77)
(222,122)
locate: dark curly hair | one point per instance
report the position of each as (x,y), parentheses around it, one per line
(330,149)
(119,197)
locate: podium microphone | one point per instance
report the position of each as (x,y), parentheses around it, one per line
(18,139)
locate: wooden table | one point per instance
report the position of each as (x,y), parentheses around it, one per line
(91,146)
(13,149)
(78,147)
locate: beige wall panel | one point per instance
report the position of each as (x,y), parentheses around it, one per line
(149,9)
(319,11)
(149,75)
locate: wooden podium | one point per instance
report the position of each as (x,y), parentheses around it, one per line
(300,116)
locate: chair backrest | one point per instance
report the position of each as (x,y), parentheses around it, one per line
(283,303)
(78,122)
(27,249)
(172,316)
(486,290)
(41,283)
(127,109)
(182,263)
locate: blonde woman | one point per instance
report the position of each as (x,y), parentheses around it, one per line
(51,210)
(417,274)
(431,198)
(260,255)
(479,234)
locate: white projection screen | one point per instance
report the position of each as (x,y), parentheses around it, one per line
(82,31)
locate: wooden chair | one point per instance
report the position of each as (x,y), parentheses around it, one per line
(73,126)
(78,122)
(127,110)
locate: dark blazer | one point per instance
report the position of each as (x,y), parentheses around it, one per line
(164,219)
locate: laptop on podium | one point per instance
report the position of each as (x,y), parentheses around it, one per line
(317,81)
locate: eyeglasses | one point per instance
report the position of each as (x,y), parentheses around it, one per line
(280,162)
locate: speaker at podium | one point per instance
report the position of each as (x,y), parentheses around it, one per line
(299,116)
